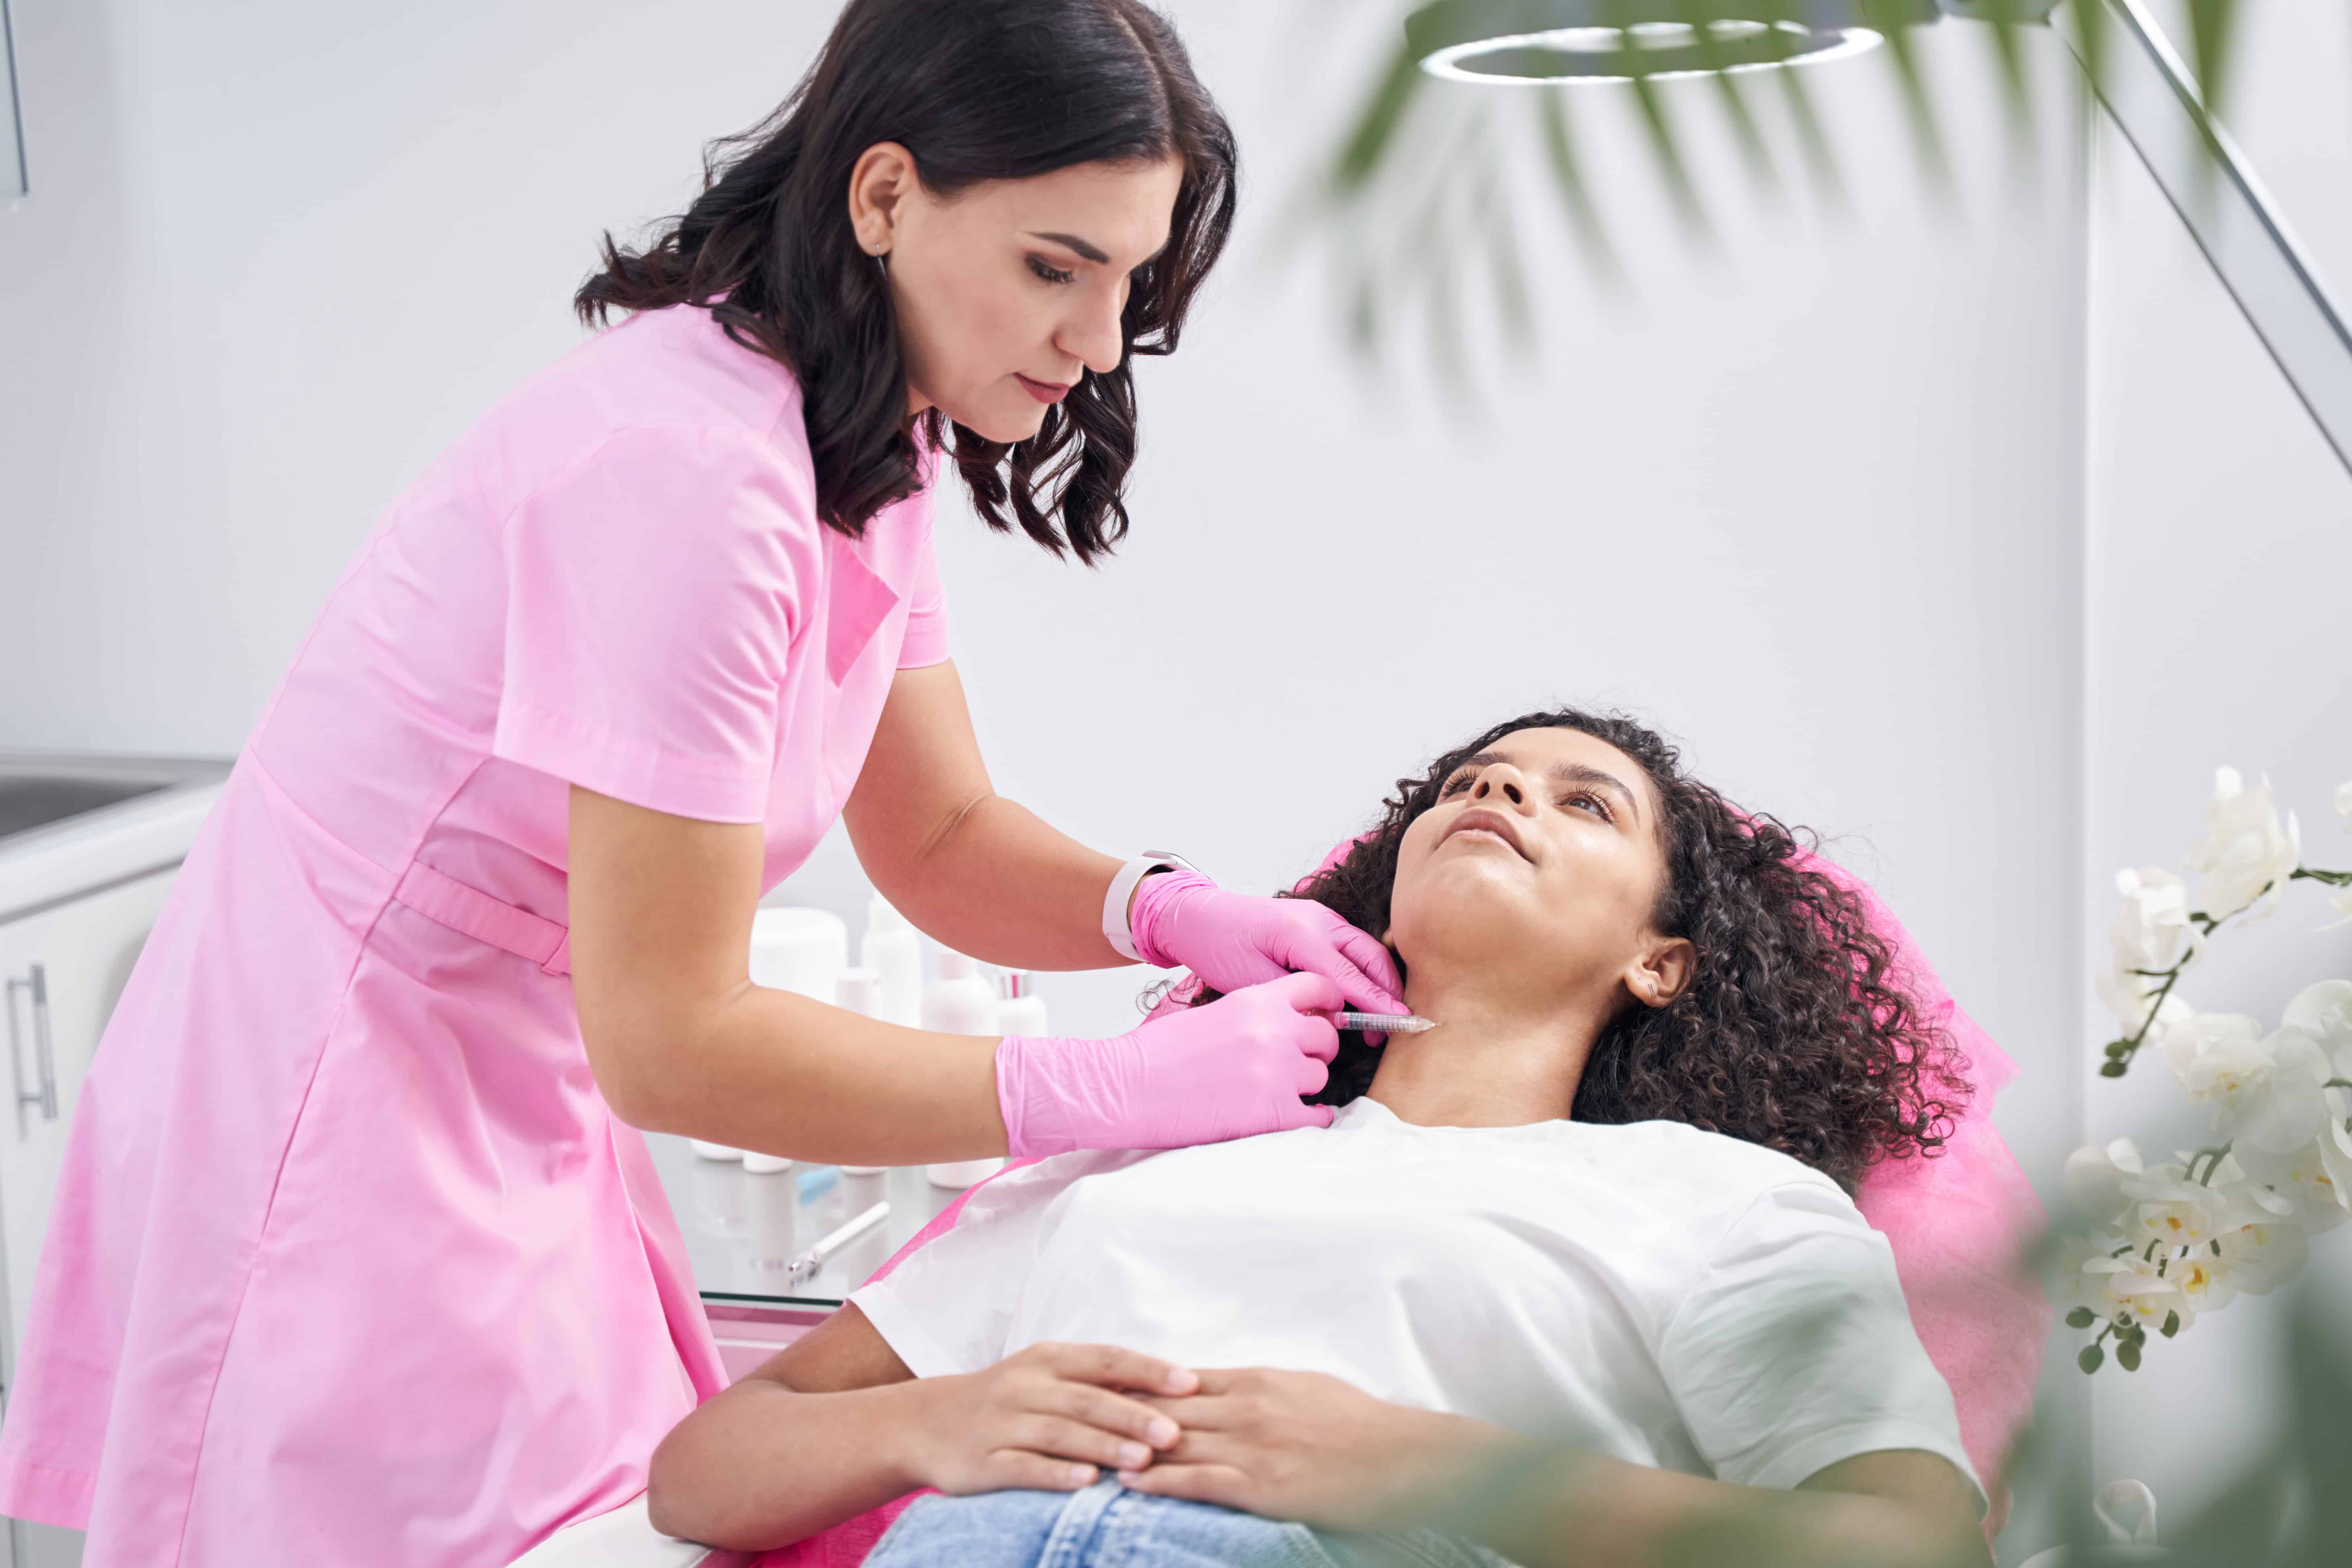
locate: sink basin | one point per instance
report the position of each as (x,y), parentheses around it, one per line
(44,790)
(26,803)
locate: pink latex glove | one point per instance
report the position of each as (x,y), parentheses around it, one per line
(1230,1070)
(1181,919)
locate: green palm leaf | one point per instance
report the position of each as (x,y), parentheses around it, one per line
(1380,211)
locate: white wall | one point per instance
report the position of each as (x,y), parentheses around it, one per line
(1813,506)
(2220,552)
(1812,502)
(276,255)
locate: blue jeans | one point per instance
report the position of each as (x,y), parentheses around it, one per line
(1106,1526)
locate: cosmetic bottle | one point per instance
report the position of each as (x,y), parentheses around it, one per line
(895,953)
(959,1002)
(859,991)
(800,950)
(1019,1009)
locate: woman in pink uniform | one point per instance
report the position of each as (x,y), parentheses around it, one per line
(359,1259)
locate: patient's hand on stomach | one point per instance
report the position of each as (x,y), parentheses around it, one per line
(835,1424)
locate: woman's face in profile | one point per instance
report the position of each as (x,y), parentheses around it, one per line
(1010,290)
(1540,858)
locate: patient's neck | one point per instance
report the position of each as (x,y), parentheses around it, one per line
(1496,1059)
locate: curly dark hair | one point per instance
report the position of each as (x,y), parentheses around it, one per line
(977,90)
(1792,1032)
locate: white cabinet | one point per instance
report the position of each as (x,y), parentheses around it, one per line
(63,969)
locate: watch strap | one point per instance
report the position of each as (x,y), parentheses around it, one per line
(1115,928)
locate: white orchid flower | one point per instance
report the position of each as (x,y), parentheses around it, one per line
(2206,1279)
(2261,1240)
(2094,1181)
(2285,1111)
(2258,1258)
(2264,1092)
(2335,1147)
(2344,803)
(2091,1270)
(2201,1048)
(2324,1012)
(2342,904)
(2116,1284)
(2150,928)
(2331,1180)
(2244,1199)
(2151,933)
(2171,1210)
(2245,855)
(2315,1179)
(2142,1293)
(2080,1275)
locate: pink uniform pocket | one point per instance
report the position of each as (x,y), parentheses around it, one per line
(854,610)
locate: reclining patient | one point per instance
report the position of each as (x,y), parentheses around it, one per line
(1574,1275)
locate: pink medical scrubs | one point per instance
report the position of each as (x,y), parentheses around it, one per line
(352,1264)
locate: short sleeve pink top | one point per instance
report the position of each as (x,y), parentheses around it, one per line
(351,1263)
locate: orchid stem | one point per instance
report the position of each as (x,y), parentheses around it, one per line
(2119,1061)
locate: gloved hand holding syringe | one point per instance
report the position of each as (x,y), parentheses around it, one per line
(1293,974)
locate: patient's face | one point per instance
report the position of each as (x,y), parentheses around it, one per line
(1540,861)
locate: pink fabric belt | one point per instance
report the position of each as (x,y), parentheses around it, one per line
(475,913)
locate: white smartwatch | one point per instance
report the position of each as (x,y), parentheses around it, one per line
(1122,888)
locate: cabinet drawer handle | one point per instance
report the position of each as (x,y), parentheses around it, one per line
(36,982)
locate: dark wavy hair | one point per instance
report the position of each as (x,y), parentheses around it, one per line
(976,89)
(1792,1032)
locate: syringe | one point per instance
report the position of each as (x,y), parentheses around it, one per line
(1383,1023)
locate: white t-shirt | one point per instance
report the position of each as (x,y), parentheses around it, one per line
(1666,1296)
